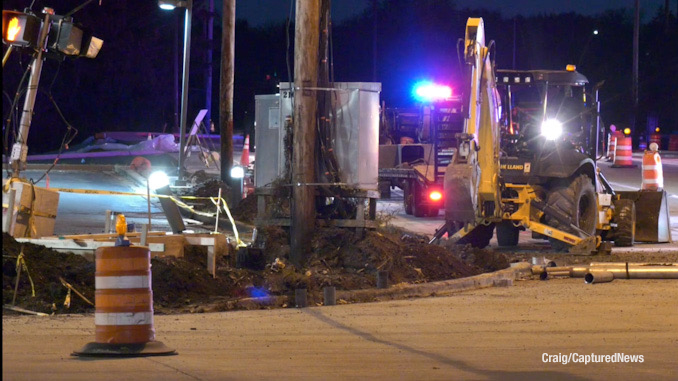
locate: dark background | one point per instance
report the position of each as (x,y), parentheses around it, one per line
(130,85)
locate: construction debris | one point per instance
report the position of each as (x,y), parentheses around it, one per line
(340,258)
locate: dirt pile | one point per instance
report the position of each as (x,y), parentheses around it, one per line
(348,261)
(45,267)
(338,257)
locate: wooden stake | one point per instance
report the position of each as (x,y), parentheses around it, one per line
(67,285)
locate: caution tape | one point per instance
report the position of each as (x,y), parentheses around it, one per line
(179,203)
(68,296)
(67,302)
(221,201)
(21,264)
(118,193)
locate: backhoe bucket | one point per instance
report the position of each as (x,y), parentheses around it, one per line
(653,223)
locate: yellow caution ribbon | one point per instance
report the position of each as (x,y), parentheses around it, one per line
(238,242)
(21,262)
(67,302)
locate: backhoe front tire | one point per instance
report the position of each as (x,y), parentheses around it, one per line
(576,199)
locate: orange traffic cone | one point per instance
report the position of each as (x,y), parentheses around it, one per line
(245,157)
(47,181)
(653,174)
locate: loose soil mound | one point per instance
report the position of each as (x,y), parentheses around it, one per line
(338,257)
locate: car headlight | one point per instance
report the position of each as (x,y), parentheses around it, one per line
(551,129)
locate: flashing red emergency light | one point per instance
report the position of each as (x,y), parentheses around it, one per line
(435,195)
(431,92)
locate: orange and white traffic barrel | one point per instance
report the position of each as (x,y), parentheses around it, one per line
(623,155)
(123,315)
(611,142)
(653,174)
(612,146)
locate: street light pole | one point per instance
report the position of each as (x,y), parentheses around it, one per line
(184,87)
(188,4)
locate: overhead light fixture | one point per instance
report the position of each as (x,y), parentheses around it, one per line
(169,5)
(159,182)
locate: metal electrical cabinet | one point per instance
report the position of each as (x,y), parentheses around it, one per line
(355,136)
(269,134)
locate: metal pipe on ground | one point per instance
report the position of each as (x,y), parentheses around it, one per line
(598,276)
(643,272)
(632,264)
(550,274)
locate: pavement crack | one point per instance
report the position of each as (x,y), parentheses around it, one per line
(173,368)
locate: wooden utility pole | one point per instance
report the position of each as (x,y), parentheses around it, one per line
(306,38)
(226,89)
(209,36)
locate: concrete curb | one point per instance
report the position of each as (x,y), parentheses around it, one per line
(499,278)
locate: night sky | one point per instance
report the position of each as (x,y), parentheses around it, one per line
(261,12)
(133,85)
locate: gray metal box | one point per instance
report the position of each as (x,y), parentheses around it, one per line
(268,141)
(355,139)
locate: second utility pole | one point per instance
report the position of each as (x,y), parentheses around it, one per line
(226,89)
(306,38)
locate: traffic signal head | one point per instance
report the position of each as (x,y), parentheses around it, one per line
(20,29)
(73,39)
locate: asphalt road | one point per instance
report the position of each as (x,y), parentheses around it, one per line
(487,334)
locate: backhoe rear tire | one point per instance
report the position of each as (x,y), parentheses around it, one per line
(625,217)
(418,208)
(480,236)
(408,197)
(576,199)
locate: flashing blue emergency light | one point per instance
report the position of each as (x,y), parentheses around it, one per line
(431,92)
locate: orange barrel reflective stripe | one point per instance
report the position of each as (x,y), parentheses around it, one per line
(623,156)
(655,138)
(123,314)
(653,174)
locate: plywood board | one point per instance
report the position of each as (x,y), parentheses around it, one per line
(44,209)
